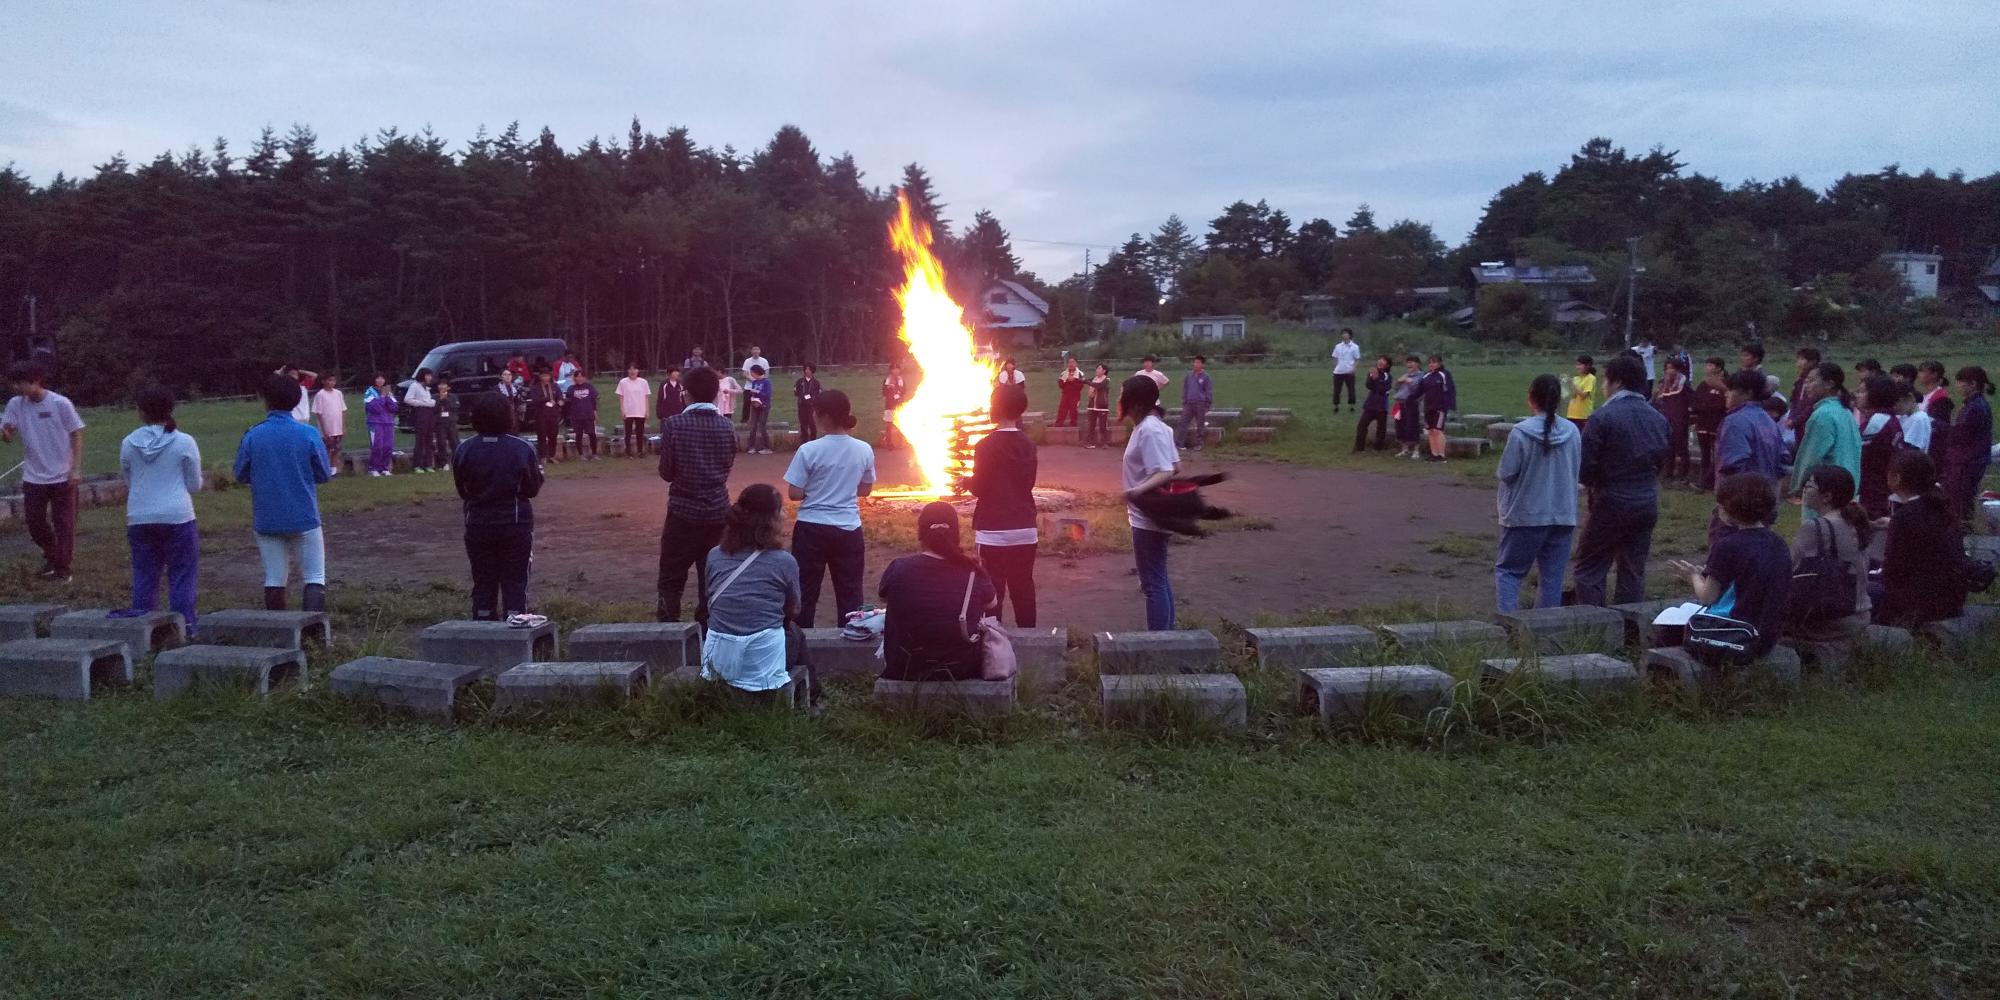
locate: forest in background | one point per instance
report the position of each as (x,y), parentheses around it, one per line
(202,268)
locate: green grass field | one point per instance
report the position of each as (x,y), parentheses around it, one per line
(1838,843)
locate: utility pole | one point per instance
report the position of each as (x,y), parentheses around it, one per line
(1088,330)
(1632,272)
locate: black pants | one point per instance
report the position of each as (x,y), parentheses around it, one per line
(808,423)
(635,436)
(1614,534)
(1380,418)
(585,436)
(423,420)
(51,513)
(1705,440)
(820,548)
(500,556)
(684,545)
(1343,382)
(1012,568)
(546,429)
(445,442)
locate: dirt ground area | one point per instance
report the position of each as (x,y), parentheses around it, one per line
(1338,539)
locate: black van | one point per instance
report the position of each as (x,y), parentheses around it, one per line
(474,368)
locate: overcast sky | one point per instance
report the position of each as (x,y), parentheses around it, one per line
(1075,122)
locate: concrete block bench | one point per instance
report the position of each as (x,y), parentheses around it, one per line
(1073,529)
(62,668)
(1674,666)
(1224,415)
(663,647)
(145,634)
(1482,419)
(1959,635)
(1142,699)
(835,657)
(1464,447)
(1068,437)
(1444,636)
(1274,411)
(1030,418)
(973,699)
(1496,434)
(414,686)
(1186,651)
(1575,629)
(1888,639)
(1344,694)
(493,646)
(261,669)
(1255,435)
(275,629)
(793,695)
(1043,655)
(1314,646)
(1639,628)
(1455,426)
(1829,658)
(28,621)
(1271,420)
(568,682)
(1592,675)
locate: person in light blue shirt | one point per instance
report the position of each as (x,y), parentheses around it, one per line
(162,469)
(828,477)
(283,463)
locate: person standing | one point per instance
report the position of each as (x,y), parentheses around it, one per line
(805,390)
(378,408)
(1003,523)
(1709,405)
(580,407)
(1011,378)
(894,392)
(1673,399)
(828,477)
(1069,390)
(1346,355)
(1829,435)
(51,435)
(546,402)
(1146,368)
(1097,414)
(497,476)
(1645,350)
(1624,449)
(1970,447)
(1537,499)
(697,450)
(1881,439)
(757,397)
(1914,422)
(1197,396)
(307,382)
(1582,388)
(725,397)
(1405,415)
(694,361)
(1798,407)
(566,371)
(446,438)
(1440,397)
(330,408)
(1375,408)
(634,392)
(423,420)
(282,462)
(1936,403)
(1750,358)
(162,469)
(1151,460)
(673,397)
(755,361)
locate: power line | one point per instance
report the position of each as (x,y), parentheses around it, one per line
(1063,243)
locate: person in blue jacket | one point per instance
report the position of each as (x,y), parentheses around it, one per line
(759,407)
(283,462)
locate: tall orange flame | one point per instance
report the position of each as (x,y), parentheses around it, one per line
(949,408)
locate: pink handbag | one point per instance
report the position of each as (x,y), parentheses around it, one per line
(997,662)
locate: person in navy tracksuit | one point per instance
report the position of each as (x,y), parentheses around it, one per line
(498,476)
(1440,397)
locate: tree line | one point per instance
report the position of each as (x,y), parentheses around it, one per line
(203,269)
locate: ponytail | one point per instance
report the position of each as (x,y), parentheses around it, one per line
(1545,392)
(1857,518)
(1836,486)
(156,406)
(943,543)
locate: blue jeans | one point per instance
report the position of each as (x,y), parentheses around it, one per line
(173,548)
(1149,550)
(1542,545)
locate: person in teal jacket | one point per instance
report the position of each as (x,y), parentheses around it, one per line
(1831,436)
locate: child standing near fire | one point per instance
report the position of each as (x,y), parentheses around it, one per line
(1097,416)
(1070,385)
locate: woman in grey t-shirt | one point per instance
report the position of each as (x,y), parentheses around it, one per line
(753,590)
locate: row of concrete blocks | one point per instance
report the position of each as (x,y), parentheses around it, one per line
(49,651)
(89,493)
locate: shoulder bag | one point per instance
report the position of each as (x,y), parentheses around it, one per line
(1715,639)
(1823,584)
(997,662)
(719,591)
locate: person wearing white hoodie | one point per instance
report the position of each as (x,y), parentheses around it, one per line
(1537,499)
(162,469)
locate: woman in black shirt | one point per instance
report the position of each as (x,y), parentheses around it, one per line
(1003,524)
(931,632)
(1920,578)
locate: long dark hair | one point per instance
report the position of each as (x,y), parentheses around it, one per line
(1836,376)
(1836,486)
(1546,392)
(1916,472)
(937,531)
(156,406)
(1137,397)
(752,521)
(1975,375)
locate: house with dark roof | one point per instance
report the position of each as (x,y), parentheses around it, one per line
(1011,315)
(1550,284)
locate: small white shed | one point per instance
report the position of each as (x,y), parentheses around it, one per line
(1213,327)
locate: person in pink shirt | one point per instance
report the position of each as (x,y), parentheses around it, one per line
(634,395)
(329,407)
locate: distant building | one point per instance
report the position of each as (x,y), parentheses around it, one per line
(1319,312)
(1988,286)
(1918,270)
(1550,284)
(1213,327)
(1011,315)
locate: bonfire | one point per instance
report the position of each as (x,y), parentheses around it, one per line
(948,413)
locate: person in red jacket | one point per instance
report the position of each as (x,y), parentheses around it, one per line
(1070,384)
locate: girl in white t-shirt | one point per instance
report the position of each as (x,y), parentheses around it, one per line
(1151,459)
(635,394)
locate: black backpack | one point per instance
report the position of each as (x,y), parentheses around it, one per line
(1822,585)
